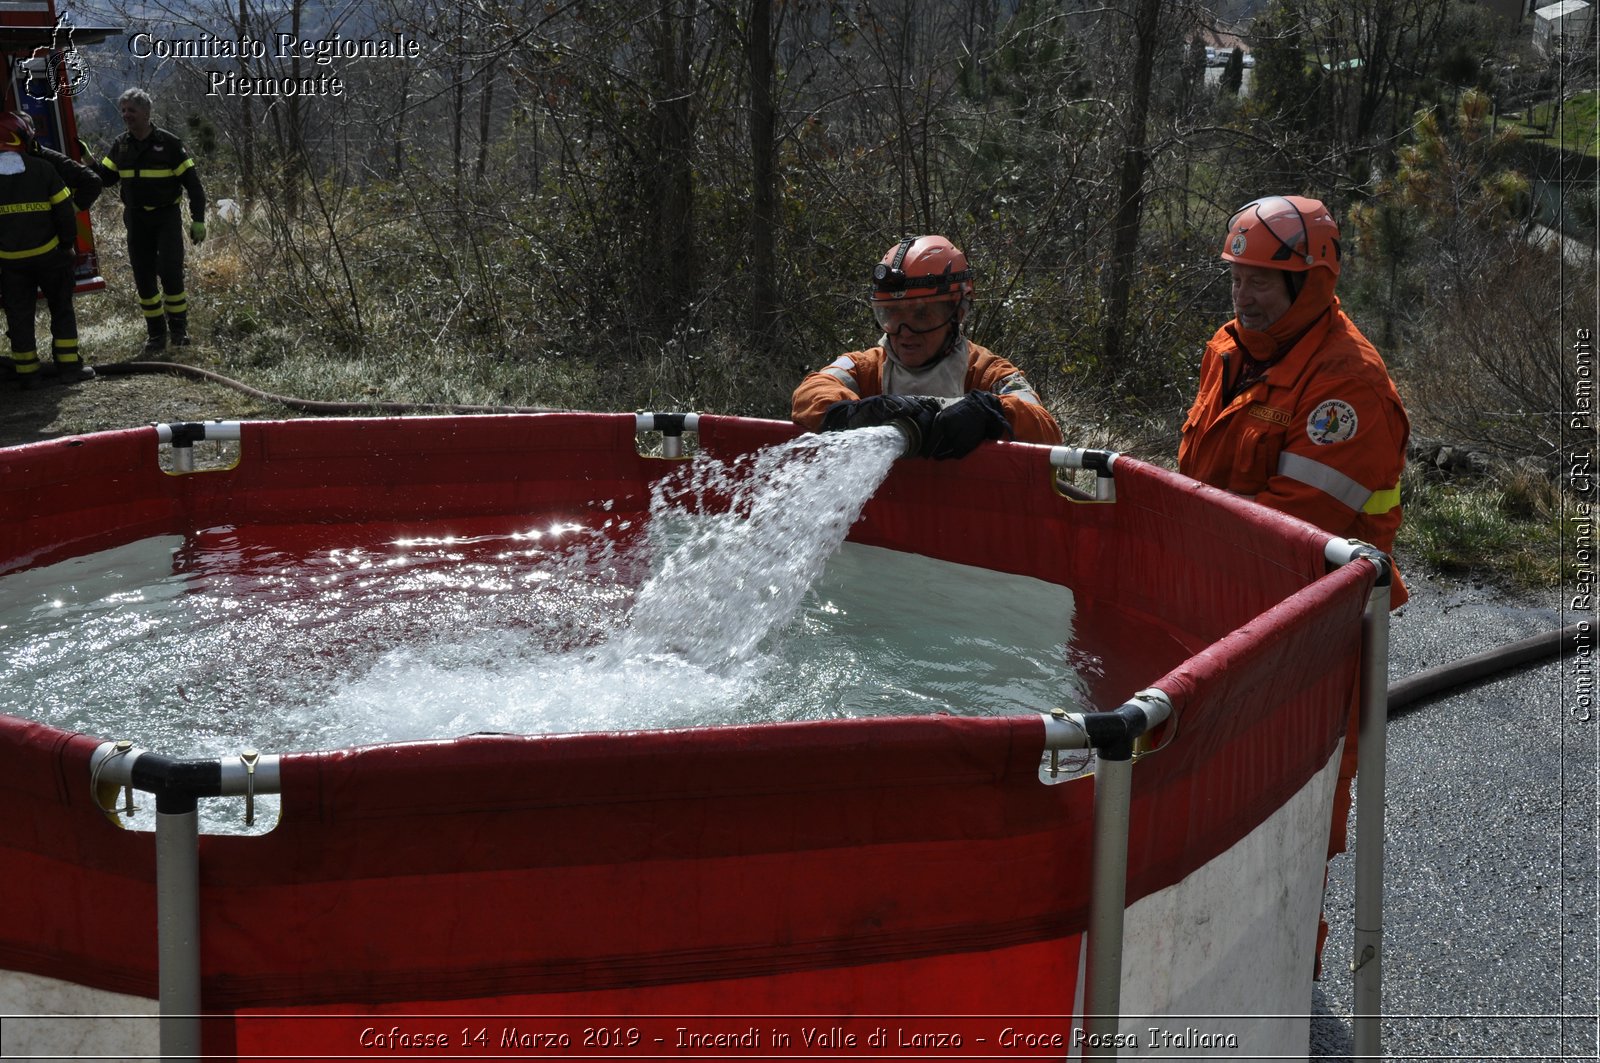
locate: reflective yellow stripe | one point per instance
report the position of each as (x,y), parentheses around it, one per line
(1383,501)
(61,196)
(38,206)
(32,252)
(157,174)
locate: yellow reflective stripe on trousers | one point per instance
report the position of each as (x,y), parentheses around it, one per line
(1324,478)
(32,252)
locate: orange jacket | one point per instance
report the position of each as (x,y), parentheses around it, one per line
(859,374)
(1321,435)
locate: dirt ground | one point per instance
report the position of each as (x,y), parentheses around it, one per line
(120,401)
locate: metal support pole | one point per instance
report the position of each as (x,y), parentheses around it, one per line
(1371,756)
(178,786)
(178,926)
(672,427)
(1113,792)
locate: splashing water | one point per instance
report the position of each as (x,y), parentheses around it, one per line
(728,580)
(693,644)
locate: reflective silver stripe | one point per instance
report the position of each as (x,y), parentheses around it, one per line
(1323,478)
(843,377)
(1012,384)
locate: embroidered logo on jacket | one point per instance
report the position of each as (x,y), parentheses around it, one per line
(1333,421)
(1269,413)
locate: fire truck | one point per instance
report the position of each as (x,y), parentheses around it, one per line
(44,72)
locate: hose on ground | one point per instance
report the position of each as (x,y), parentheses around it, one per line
(1420,686)
(307,405)
(1404,694)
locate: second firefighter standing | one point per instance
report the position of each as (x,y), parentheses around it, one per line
(155,172)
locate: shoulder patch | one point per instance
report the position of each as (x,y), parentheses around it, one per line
(1333,421)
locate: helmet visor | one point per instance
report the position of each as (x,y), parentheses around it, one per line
(924,315)
(1282,219)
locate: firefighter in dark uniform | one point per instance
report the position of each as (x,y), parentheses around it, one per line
(36,249)
(84,183)
(155,172)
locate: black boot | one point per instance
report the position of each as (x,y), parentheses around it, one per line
(156,339)
(73,372)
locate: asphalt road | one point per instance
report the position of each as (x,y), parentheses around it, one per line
(1491,931)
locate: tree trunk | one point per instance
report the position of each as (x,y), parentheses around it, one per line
(485,117)
(1130,189)
(763,197)
(247,132)
(672,120)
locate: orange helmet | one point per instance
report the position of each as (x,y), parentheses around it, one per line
(14,133)
(922,267)
(1291,233)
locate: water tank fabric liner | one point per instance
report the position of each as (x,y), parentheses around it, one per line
(857,867)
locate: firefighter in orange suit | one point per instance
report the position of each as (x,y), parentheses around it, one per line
(37,244)
(1296,409)
(924,371)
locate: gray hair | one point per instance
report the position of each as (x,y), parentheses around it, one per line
(138,96)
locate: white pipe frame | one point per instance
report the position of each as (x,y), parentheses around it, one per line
(1366,964)
(177,785)
(1112,735)
(183,435)
(672,427)
(1101,462)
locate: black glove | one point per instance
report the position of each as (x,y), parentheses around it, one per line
(879,410)
(962,425)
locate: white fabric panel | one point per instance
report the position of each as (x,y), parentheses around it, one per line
(48,1020)
(1222,952)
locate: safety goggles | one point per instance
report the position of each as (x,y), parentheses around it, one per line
(918,317)
(1282,219)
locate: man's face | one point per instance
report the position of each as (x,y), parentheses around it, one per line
(901,322)
(1260,296)
(136,117)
